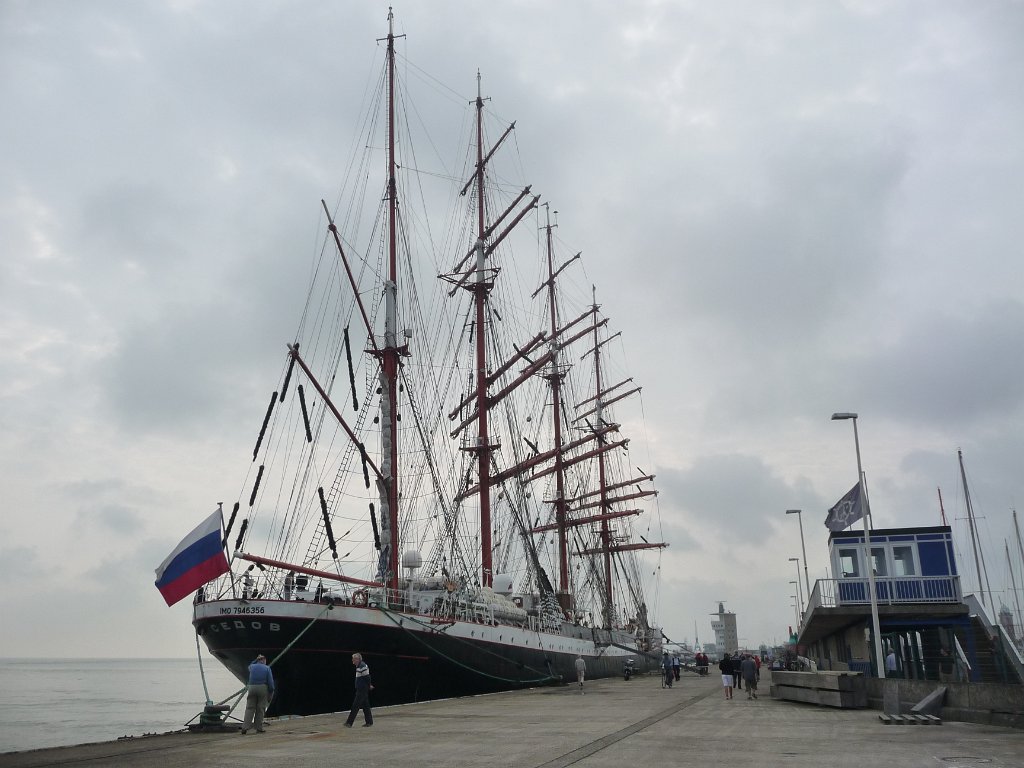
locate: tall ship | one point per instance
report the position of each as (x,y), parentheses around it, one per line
(439,480)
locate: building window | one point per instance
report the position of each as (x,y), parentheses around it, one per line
(878,561)
(849,563)
(903,561)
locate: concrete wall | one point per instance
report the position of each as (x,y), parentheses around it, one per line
(988,703)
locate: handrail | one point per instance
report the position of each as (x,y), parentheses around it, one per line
(995,631)
(889,590)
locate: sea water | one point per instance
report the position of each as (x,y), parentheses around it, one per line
(58,702)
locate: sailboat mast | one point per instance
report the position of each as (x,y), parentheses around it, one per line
(483,447)
(970,521)
(1013,583)
(1020,551)
(555,379)
(606,539)
(389,361)
(1020,547)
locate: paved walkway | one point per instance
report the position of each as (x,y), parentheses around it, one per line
(615,723)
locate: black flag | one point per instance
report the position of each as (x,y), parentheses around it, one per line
(846,512)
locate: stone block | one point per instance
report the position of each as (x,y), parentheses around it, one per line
(891,700)
(932,703)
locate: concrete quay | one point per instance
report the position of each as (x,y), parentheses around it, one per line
(615,723)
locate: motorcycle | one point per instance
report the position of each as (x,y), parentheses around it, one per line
(628,669)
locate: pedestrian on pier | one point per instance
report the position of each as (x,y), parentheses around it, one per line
(361,700)
(260,691)
(725,667)
(748,671)
(581,670)
(737,677)
(890,663)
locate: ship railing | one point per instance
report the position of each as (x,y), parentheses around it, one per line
(431,604)
(272,584)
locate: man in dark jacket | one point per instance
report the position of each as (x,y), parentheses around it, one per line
(748,671)
(737,663)
(362,697)
(725,667)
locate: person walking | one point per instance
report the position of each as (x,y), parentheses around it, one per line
(725,667)
(666,670)
(890,663)
(581,670)
(361,700)
(260,692)
(737,677)
(675,668)
(748,671)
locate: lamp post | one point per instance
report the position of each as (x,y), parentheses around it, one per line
(799,591)
(803,548)
(875,628)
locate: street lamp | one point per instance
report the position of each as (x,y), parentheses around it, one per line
(799,591)
(876,630)
(800,519)
(796,585)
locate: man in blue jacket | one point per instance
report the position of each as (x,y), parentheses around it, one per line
(362,697)
(261,691)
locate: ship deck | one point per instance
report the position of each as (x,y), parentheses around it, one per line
(615,723)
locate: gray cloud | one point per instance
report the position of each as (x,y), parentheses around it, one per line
(788,212)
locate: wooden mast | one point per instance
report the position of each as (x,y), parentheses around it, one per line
(554,377)
(606,539)
(390,352)
(481,290)
(481,286)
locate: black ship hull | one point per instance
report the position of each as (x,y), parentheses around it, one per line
(411,657)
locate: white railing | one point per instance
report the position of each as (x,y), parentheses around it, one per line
(889,590)
(431,604)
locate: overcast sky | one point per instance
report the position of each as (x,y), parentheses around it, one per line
(802,207)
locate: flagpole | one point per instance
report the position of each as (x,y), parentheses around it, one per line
(875,625)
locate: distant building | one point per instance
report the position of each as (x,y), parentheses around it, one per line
(726,639)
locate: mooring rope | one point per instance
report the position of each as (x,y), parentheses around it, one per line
(202,672)
(239,693)
(423,642)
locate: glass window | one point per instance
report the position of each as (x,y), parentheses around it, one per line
(903,561)
(878,561)
(848,563)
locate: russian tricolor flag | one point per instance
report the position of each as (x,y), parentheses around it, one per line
(199,558)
